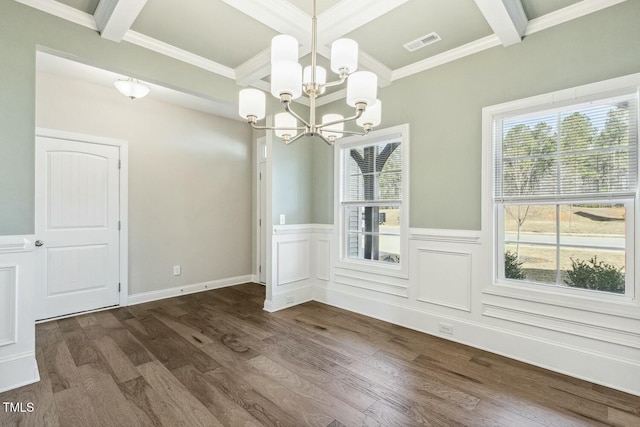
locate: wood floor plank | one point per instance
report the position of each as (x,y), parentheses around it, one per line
(78,410)
(105,396)
(342,411)
(59,365)
(143,397)
(217,358)
(189,410)
(168,346)
(203,388)
(115,359)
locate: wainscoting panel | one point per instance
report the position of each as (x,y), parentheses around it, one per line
(444,278)
(293,254)
(8,304)
(322,248)
(18,365)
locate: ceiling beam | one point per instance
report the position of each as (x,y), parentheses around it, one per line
(348,16)
(115,17)
(506,18)
(334,23)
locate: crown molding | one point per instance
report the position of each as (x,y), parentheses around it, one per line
(179,54)
(569,13)
(451,55)
(63,11)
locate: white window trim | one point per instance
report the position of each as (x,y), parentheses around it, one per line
(621,305)
(401,271)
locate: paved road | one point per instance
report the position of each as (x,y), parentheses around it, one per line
(609,242)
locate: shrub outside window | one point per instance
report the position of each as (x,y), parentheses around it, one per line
(564,194)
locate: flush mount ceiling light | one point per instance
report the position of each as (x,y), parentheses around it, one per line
(132,88)
(289,82)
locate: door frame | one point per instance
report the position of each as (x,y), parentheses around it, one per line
(261,157)
(123,196)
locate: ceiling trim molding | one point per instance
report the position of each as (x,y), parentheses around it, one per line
(254,68)
(348,16)
(63,11)
(569,13)
(115,17)
(179,54)
(451,55)
(506,18)
(384,73)
(279,15)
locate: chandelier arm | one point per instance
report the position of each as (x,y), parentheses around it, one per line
(324,138)
(295,138)
(348,119)
(338,82)
(257,127)
(287,108)
(351,132)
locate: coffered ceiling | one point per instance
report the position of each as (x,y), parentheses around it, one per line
(231,37)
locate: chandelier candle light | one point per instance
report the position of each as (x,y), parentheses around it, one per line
(289,81)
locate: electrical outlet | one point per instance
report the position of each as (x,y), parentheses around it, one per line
(445,328)
(290,299)
(282,219)
(176,270)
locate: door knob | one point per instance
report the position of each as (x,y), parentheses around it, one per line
(39,243)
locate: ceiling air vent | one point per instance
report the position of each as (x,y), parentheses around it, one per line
(421,42)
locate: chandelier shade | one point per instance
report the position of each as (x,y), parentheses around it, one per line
(372,115)
(252,104)
(132,88)
(333,130)
(285,125)
(344,56)
(362,87)
(284,48)
(289,82)
(286,78)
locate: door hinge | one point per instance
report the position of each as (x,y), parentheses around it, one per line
(119,225)
(119,164)
(260,222)
(259,269)
(119,286)
(260,175)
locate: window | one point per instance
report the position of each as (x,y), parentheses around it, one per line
(372,198)
(564,197)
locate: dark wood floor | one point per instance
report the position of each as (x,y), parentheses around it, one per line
(216,358)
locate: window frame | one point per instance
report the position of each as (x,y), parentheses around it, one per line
(493,229)
(399,133)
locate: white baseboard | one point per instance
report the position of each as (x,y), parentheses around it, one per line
(18,371)
(621,374)
(289,299)
(188,289)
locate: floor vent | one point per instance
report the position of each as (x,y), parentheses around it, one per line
(421,42)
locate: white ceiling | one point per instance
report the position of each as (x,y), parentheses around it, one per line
(231,37)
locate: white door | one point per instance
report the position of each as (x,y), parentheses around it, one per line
(77,222)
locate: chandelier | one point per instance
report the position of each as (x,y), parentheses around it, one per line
(132,88)
(289,82)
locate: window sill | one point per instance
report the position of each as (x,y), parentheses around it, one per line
(592,301)
(399,272)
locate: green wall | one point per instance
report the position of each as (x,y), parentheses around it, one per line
(443,107)
(22,31)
